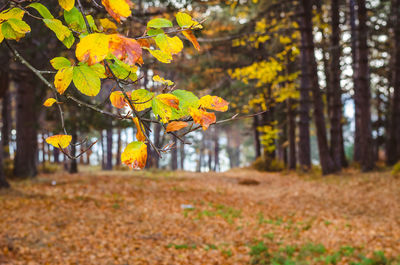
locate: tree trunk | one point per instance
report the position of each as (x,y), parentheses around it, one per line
(174,154)
(393,147)
(292,135)
(118,159)
(257,143)
(103,161)
(182,155)
(310,73)
(354,50)
(304,110)
(109,134)
(26,153)
(73,165)
(5,114)
(56,155)
(3,181)
(216,149)
(364,101)
(336,90)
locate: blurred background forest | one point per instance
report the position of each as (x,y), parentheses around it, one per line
(324,74)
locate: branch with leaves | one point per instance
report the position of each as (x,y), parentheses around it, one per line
(103,53)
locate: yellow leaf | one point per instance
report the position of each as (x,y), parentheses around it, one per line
(135,155)
(67,4)
(176,126)
(142,99)
(59,140)
(139,133)
(118,9)
(63,79)
(185,21)
(93,48)
(108,25)
(159,79)
(202,117)
(169,45)
(11,13)
(214,103)
(160,55)
(49,102)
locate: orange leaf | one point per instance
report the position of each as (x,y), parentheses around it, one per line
(117,99)
(192,38)
(135,155)
(125,49)
(169,99)
(213,103)
(144,43)
(202,117)
(139,133)
(118,9)
(176,126)
(59,140)
(49,102)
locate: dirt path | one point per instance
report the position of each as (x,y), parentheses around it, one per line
(139,218)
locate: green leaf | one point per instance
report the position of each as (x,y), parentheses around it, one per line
(86,80)
(8,31)
(123,70)
(154,32)
(19,26)
(43,11)
(141,96)
(92,24)
(75,19)
(99,70)
(186,99)
(60,62)
(69,41)
(61,31)
(159,23)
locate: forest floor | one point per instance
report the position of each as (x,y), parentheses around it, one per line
(145,217)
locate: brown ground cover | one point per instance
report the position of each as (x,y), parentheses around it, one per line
(140,217)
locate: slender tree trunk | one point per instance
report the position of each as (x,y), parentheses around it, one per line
(26,153)
(103,161)
(3,181)
(56,155)
(182,155)
(216,149)
(336,90)
(257,143)
(310,73)
(304,110)
(118,159)
(109,134)
(354,50)
(5,114)
(73,166)
(292,135)
(393,147)
(201,153)
(174,154)
(367,161)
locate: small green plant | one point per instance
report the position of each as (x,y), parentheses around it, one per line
(268,164)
